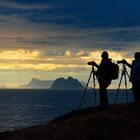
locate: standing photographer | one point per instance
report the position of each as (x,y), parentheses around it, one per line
(135,75)
(104,78)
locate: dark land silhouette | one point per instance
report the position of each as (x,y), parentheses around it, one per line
(69,83)
(38,84)
(59,83)
(119,122)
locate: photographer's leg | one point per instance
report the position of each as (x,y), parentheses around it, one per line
(136,91)
(103,92)
(103,97)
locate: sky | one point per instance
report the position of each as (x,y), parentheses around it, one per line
(47,39)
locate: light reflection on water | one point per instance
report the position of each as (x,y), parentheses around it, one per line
(24,108)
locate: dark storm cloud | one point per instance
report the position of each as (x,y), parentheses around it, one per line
(102,24)
(23,5)
(81,13)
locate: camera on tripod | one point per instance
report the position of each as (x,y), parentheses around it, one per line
(91,63)
(92,75)
(125,75)
(121,62)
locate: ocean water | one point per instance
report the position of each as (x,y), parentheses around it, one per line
(21,108)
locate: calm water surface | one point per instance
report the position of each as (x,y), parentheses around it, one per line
(23,108)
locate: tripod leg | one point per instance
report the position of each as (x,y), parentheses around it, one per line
(94,88)
(118,88)
(127,74)
(126,87)
(85,90)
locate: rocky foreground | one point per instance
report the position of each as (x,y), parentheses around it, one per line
(120,122)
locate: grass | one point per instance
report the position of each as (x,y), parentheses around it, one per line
(117,122)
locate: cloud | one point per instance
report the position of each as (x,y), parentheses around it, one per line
(59,37)
(43,60)
(18,32)
(19,54)
(25,6)
(29,66)
(80,53)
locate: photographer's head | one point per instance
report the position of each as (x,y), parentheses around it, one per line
(105,55)
(137,55)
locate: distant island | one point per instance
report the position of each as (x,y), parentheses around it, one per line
(59,83)
(69,83)
(38,84)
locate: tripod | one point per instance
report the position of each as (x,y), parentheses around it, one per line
(93,74)
(124,74)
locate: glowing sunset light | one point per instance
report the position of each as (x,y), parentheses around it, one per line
(19,54)
(55,38)
(96,56)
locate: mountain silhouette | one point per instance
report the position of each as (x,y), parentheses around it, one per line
(36,83)
(59,83)
(69,83)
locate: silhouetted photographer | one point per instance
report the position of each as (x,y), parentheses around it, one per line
(106,72)
(135,75)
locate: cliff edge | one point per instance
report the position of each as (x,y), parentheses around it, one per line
(119,122)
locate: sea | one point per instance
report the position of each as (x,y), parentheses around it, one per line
(22,108)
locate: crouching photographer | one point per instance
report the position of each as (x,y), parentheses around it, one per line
(134,75)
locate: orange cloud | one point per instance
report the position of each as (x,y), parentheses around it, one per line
(96,56)
(18,65)
(19,54)
(37,59)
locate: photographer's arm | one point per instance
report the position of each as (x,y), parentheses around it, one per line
(129,65)
(97,66)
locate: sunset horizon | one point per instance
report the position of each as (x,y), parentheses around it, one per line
(69,69)
(51,39)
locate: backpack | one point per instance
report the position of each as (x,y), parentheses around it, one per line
(108,70)
(114,71)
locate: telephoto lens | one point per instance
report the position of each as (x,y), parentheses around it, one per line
(121,62)
(91,63)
